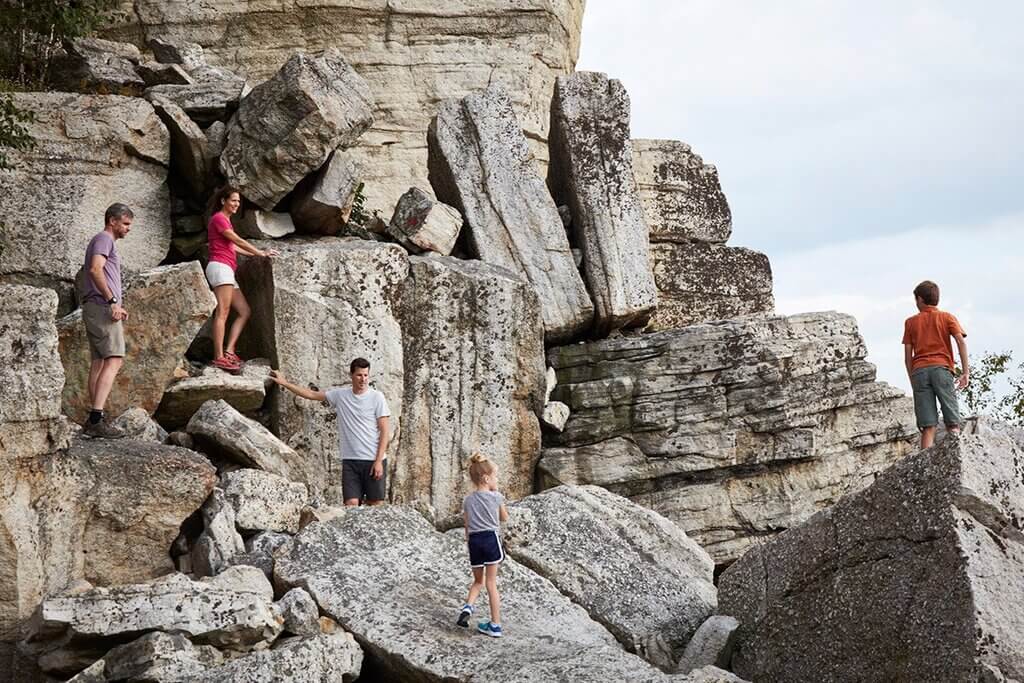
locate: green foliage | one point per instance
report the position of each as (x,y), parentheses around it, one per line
(34,30)
(359,217)
(13,134)
(983,395)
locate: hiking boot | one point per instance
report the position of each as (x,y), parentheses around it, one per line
(489,629)
(102,430)
(227,365)
(464,615)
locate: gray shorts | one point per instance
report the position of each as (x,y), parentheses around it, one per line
(106,336)
(931,384)
(357,480)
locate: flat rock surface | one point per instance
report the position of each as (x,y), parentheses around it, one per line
(264,501)
(245,392)
(634,571)
(166,307)
(928,559)
(90,151)
(388,577)
(474,381)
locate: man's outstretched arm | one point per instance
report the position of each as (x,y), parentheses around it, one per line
(311,394)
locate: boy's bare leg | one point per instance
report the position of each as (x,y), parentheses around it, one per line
(476,586)
(492,592)
(927,436)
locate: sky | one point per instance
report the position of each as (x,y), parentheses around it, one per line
(863,146)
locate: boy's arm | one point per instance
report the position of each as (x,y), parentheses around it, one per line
(965,376)
(503,513)
(908,358)
(312,395)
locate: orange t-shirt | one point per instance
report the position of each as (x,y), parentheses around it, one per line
(929,334)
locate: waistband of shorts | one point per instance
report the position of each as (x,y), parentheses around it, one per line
(485,531)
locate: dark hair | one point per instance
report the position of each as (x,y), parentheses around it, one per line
(218,198)
(117,210)
(358,364)
(929,293)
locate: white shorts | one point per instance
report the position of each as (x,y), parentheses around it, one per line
(218,274)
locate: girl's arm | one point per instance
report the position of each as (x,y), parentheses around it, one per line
(503,513)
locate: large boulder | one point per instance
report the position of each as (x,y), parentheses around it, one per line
(91,151)
(634,571)
(263,501)
(480,164)
(734,430)
(156,656)
(96,65)
(288,126)
(592,172)
(219,541)
(245,392)
(189,157)
(232,611)
(927,560)
(104,511)
(386,575)
(422,224)
(317,306)
(206,101)
(474,381)
(681,195)
(322,202)
(167,306)
(413,54)
(224,432)
(31,376)
(700,282)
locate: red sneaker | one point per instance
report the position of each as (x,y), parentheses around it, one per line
(227,365)
(233,357)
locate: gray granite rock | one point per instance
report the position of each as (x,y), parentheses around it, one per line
(154,73)
(219,541)
(188,54)
(105,511)
(205,101)
(592,172)
(474,381)
(94,65)
(31,375)
(422,224)
(634,571)
(712,644)
(223,431)
(254,224)
(387,576)
(288,126)
(929,559)
(479,163)
(90,151)
(263,501)
(299,612)
(700,282)
(325,658)
(316,306)
(245,392)
(137,424)
(734,430)
(156,656)
(322,202)
(681,195)
(167,306)
(188,147)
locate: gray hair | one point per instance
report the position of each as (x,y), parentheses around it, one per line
(117,210)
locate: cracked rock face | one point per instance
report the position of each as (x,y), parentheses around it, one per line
(735,430)
(412,53)
(480,164)
(474,381)
(634,571)
(929,559)
(91,150)
(592,172)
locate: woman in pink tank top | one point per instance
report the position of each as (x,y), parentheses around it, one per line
(223,242)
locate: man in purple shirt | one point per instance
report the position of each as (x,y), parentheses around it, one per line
(103,313)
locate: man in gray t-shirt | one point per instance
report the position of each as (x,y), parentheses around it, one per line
(363,432)
(98,286)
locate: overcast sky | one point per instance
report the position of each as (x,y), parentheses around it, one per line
(864,146)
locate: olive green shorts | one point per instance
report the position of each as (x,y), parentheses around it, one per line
(106,336)
(931,384)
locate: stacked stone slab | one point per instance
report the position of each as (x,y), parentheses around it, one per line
(735,430)
(474,381)
(91,150)
(592,172)
(480,164)
(31,376)
(920,577)
(413,55)
(698,278)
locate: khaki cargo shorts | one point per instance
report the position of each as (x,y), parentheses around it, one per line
(931,384)
(106,336)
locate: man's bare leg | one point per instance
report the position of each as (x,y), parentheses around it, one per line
(927,436)
(94,376)
(105,381)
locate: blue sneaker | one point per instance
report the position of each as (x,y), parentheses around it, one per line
(489,629)
(464,615)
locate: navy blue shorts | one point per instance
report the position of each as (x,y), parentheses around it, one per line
(485,548)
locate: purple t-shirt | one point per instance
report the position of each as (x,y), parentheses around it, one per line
(103,244)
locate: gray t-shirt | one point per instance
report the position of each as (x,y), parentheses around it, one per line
(102,244)
(358,436)
(481,509)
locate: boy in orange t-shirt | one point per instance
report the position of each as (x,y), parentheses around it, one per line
(929,358)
